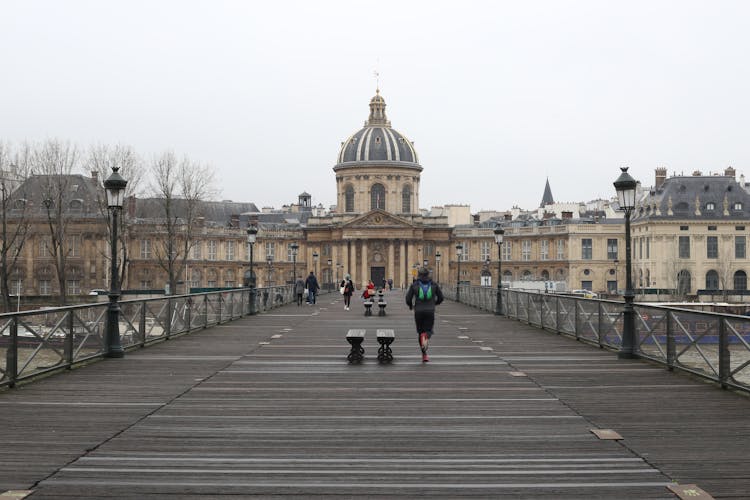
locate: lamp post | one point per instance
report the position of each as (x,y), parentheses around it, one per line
(499,232)
(459,253)
(114,186)
(294,248)
(252,233)
(625,186)
(330,274)
(269,261)
(437,265)
(315,263)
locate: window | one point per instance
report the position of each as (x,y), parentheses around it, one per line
(198,250)
(587,249)
(648,247)
(270,250)
(44,246)
(290,253)
(740,280)
(73,287)
(587,285)
(74,246)
(712,228)
(212,249)
(612,287)
(484,250)
(45,287)
(465,251)
(429,249)
(229,247)
(612,249)
(526,250)
(406,199)
(349,199)
(560,250)
(544,249)
(712,280)
(545,275)
(507,247)
(195,278)
(684,247)
(710,206)
(683,228)
(146,285)
(145,249)
(683,282)
(739,247)
(712,247)
(377,197)
(737,206)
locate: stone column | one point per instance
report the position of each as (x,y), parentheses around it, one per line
(391,268)
(402,274)
(365,275)
(351,259)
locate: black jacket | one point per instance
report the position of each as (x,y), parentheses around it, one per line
(419,305)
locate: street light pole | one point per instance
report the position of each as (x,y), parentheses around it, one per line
(437,265)
(625,186)
(294,248)
(252,233)
(269,260)
(114,187)
(499,232)
(459,253)
(315,263)
(330,274)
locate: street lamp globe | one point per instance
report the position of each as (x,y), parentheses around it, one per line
(625,186)
(114,186)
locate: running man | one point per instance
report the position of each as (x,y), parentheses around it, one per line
(423,296)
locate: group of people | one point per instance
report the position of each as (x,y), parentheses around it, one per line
(422,297)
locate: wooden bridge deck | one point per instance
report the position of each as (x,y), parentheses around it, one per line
(268,406)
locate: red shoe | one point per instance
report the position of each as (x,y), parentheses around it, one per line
(423,341)
(425,358)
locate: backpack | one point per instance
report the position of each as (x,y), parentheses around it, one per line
(425,291)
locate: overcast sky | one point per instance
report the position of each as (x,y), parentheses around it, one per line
(497,96)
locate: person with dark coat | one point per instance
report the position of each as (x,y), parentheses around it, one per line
(299,289)
(311,283)
(348,290)
(422,297)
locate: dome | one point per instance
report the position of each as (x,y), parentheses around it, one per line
(377,142)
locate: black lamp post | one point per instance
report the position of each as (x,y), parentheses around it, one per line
(294,248)
(269,261)
(330,274)
(437,265)
(315,263)
(252,233)
(459,253)
(115,189)
(625,186)
(499,232)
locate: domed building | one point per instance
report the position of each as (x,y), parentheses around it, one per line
(377,231)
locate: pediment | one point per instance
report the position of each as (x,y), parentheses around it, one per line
(378,218)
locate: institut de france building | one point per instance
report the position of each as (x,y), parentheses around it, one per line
(689,233)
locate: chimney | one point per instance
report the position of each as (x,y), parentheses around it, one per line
(95,175)
(567,214)
(697,173)
(661,176)
(730,172)
(235,220)
(131,204)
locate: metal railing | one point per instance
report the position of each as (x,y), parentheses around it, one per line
(36,342)
(712,345)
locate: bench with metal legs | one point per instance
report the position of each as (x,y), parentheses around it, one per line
(385,339)
(355,338)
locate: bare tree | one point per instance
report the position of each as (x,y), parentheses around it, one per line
(102,159)
(180,188)
(14,223)
(54,162)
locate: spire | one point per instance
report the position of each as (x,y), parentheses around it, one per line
(377,111)
(547,196)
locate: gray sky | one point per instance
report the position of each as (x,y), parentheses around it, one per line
(496,96)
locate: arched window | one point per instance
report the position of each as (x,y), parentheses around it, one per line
(526,276)
(740,280)
(377,197)
(683,282)
(545,275)
(349,199)
(406,199)
(507,275)
(712,280)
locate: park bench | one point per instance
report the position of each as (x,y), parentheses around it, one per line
(368,307)
(355,338)
(385,339)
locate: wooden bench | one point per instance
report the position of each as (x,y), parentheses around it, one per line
(355,338)
(368,307)
(385,339)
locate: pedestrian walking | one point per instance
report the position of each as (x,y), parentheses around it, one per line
(311,283)
(299,289)
(347,285)
(422,297)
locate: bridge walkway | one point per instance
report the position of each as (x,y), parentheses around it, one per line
(267,405)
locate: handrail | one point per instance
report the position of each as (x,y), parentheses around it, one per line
(46,340)
(709,344)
